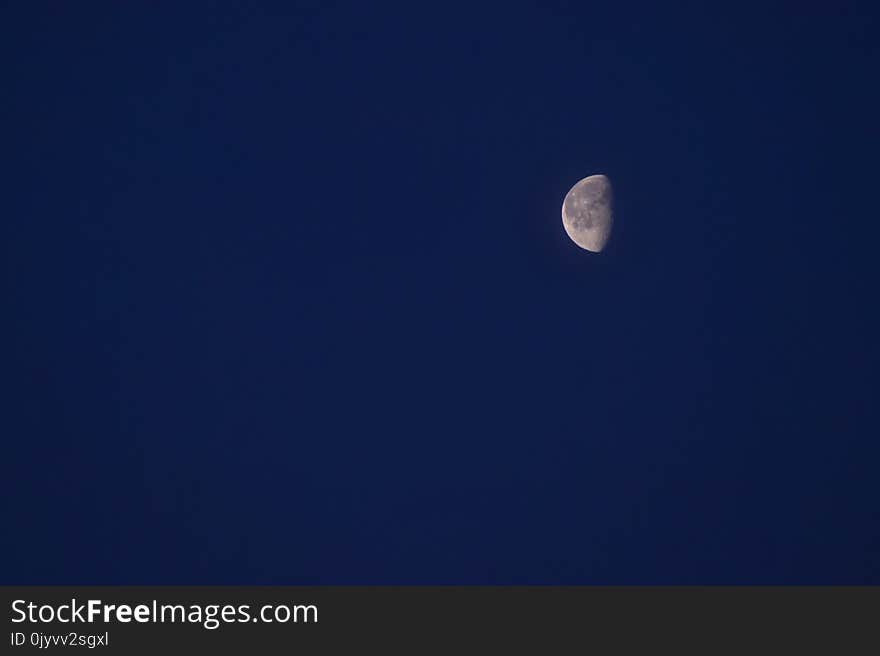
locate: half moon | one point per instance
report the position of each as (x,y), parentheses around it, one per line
(587,213)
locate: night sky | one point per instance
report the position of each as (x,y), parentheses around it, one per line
(287,297)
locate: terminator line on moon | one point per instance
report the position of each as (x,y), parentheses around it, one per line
(587,214)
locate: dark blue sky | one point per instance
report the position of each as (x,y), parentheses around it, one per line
(288,298)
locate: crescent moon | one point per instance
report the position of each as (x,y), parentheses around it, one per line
(587,213)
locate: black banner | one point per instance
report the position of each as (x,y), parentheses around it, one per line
(151,620)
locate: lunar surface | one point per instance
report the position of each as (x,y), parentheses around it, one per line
(586,213)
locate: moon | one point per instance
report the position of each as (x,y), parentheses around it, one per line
(587,213)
